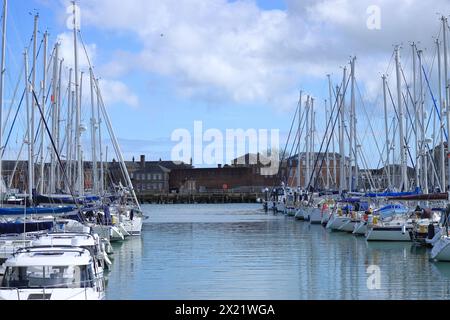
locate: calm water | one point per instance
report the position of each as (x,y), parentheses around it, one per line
(190,252)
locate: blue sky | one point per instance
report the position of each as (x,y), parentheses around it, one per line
(253,59)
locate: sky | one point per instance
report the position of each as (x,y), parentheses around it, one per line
(165,64)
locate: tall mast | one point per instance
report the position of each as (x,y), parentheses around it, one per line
(330,89)
(69,133)
(33,102)
(52,184)
(327,159)
(388,170)
(99,119)
(2,80)
(77,106)
(401,124)
(312,149)
(352,118)
(447,98)
(416,115)
(58,122)
(342,147)
(299,137)
(44,89)
(93,136)
(442,110)
(307,141)
(29,132)
(423,152)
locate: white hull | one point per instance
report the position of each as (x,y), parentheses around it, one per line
(441,250)
(388,234)
(316,216)
(299,215)
(281,207)
(52,294)
(436,238)
(326,217)
(348,226)
(133,227)
(336,222)
(360,228)
(290,212)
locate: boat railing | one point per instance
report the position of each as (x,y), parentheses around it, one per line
(47,291)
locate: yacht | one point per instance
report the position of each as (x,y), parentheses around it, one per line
(52,273)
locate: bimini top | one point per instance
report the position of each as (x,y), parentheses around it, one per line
(65,239)
(49,256)
(392,209)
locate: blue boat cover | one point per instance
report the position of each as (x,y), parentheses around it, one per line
(19,227)
(416,192)
(35,211)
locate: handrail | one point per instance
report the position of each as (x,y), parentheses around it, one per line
(96,281)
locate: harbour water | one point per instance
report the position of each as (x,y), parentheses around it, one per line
(190,252)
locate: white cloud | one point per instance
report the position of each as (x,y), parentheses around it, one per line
(237,51)
(116,92)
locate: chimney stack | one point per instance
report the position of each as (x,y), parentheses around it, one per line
(143,162)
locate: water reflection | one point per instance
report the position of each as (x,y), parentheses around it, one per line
(238,252)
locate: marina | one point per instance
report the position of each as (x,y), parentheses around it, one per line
(346,197)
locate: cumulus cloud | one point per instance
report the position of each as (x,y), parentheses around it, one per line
(114,91)
(237,51)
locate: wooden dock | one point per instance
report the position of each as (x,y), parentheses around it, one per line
(208,198)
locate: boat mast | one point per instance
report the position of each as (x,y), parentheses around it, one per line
(77,106)
(58,122)
(99,119)
(442,108)
(312,149)
(447,98)
(69,133)
(299,137)
(352,119)
(327,159)
(44,89)
(33,102)
(54,99)
(93,136)
(307,141)
(2,81)
(388,149)
(341,142)
(355,122)
(416,114)
(29,132)
(330,89)
(401,124)
(424,151)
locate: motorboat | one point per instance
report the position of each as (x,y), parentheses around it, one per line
(52,273)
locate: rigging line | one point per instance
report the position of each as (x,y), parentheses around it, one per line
(280,175)
(434,102)
(56,151)
(398,119)
(368,120)
(326,131)
(299,135)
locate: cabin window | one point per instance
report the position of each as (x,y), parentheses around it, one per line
(61,277)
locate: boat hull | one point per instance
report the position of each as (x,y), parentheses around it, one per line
(388,234)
